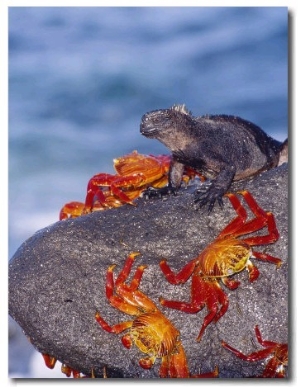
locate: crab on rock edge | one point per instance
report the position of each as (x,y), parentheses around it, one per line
(135,173)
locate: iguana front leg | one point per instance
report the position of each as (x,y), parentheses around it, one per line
(213,190)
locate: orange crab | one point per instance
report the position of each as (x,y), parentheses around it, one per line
(275,367)
(135,173)
(150,330)
(221,259)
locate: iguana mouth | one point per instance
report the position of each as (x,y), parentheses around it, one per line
(154,122)
(149,131)
(147,128)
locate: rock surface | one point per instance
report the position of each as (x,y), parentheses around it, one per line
(57,282)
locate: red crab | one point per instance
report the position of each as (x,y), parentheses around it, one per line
(150,330)
(135,173)
(225,256)
(275,367)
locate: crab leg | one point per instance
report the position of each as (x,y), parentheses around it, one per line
(279,352)
(118,328)
(267,258)
(259,355)
(273,369)
(230,283)
(91,195)
(120,194)
(164,367)
(72,209)
(272,237)
(204,291)
(94,192)
(264,343)
(126,269)
(213,301)
(223,300)
(136,279)
(175,364)
(187,307)
(117,301)
(68,371)
(238,226)
(207,375)
(180,277)
(253,271)
(237,222)
(261,219)
(255,208)
(50,361)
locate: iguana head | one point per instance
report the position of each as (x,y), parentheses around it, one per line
(167,125)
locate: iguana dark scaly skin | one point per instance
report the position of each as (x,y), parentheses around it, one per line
(221,147)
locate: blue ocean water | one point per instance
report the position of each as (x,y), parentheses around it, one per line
(80,79)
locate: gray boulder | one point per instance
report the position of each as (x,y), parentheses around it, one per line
(57,282)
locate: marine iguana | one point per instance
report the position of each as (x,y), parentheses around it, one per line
(223,148)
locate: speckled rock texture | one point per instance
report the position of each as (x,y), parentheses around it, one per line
(57,282)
